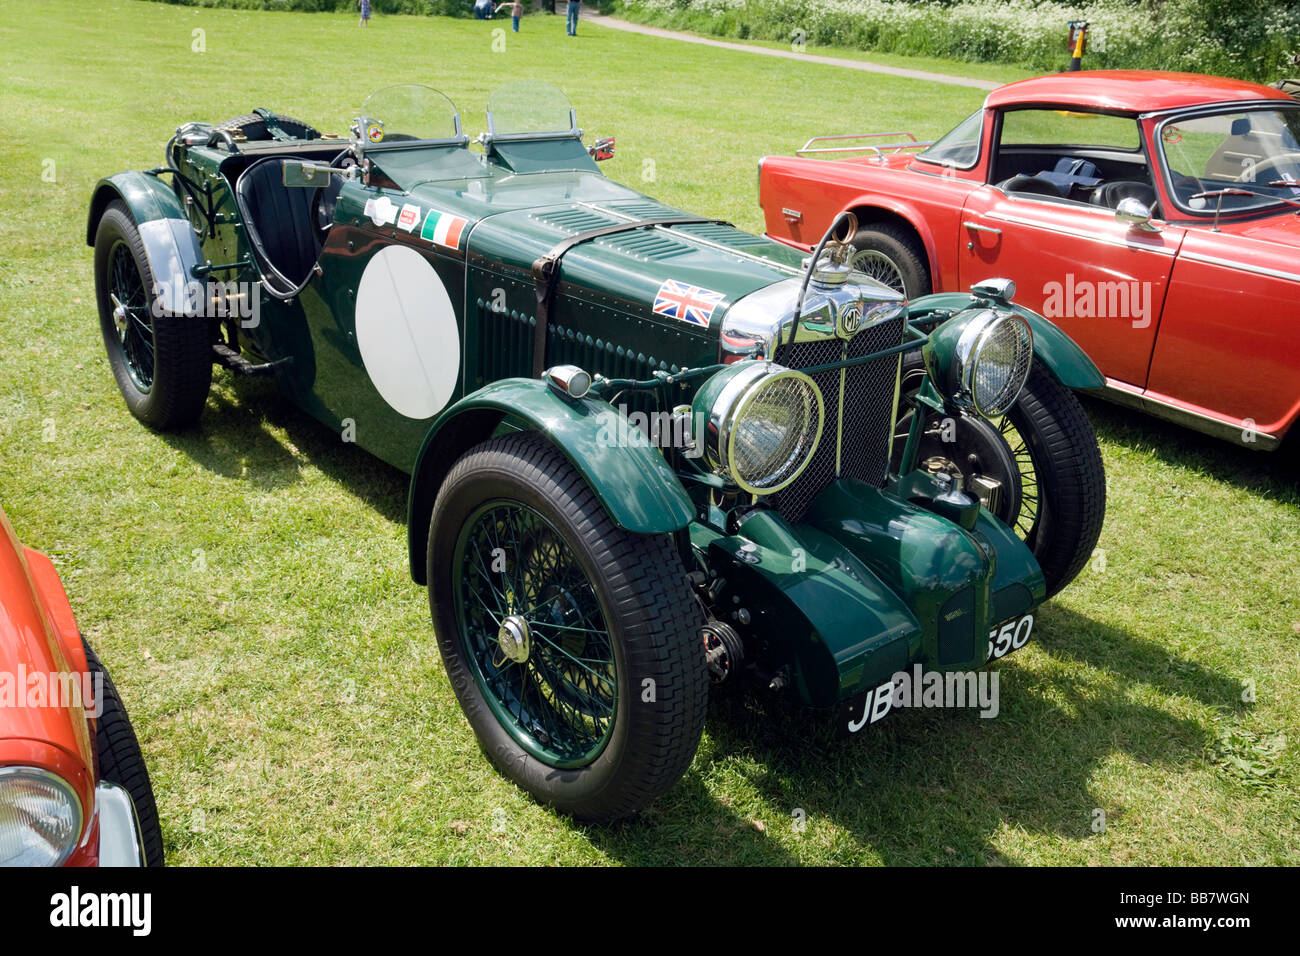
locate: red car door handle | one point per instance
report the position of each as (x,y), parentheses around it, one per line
(978,228)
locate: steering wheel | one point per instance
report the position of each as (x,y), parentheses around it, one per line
(1271,168)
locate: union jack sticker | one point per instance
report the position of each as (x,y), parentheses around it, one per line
(689,303)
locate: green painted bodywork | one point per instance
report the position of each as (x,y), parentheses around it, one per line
(546,154)
(1056,350)
(947,575)
(823,616)
(147,197)
(871,581)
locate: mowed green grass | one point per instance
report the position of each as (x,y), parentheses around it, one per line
(247,580)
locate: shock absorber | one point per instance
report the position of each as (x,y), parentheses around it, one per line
(724,652)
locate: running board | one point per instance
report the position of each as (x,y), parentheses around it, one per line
(1234,432)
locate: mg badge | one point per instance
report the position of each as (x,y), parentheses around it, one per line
(850,321)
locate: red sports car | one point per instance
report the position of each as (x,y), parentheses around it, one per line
(74,790)
(1153,216)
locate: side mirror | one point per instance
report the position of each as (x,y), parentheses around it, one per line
(1135,214)
(297,173)
(1002,290)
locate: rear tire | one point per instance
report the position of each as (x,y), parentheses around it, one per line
(122,763)
(162,363)
(597,740)
(893,255)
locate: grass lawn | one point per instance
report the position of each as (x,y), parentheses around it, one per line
(247,581)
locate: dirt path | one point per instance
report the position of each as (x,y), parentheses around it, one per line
(617,24)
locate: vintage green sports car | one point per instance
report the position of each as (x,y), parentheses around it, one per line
(648,451)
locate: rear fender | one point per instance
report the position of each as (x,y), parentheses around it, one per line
(891,208)
(170,245)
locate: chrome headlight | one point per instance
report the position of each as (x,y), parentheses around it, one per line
(981,359)
(764,423)
(40,817)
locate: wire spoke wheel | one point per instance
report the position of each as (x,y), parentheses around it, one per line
(131,315)
(572,644)
(880,267)
(1018,503)
(1026,518)
(532,624)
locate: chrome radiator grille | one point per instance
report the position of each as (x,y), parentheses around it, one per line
(856,445)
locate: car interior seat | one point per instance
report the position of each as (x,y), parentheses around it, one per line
(1033,185)
(285,238)
(1109,194)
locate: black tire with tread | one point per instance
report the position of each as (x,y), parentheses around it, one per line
(1071,476)
(903,248)
(121,761)
(653,621)
(253,126)
(1067,460)
(182,343)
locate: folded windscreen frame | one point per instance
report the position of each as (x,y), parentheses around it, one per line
(532,127)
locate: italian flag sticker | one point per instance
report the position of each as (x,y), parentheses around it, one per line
(443,229)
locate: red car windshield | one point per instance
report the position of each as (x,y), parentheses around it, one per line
(960,146)
(1244,150)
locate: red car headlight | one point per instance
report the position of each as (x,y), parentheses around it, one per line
(40,817)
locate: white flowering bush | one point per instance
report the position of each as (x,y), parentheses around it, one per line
(1256,39)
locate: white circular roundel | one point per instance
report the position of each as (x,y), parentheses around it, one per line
(406,330)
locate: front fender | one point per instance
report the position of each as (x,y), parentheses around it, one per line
(1056,350)
(912,216)
(634,483)
(170,244)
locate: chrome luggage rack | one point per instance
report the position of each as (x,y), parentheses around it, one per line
(878,149)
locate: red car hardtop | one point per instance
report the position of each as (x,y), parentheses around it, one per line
(1151,215)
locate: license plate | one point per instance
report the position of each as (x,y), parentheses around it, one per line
(1011,636)
(864,709)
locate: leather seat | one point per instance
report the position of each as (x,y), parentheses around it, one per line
(1110,194)
(278,219)
(1034,185)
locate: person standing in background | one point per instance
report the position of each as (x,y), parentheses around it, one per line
(516,11)
(483,9)
(572,24)
(365,12)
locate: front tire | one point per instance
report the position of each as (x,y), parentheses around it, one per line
(121,761)
(162,363)
(572,645)
(1044,452)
